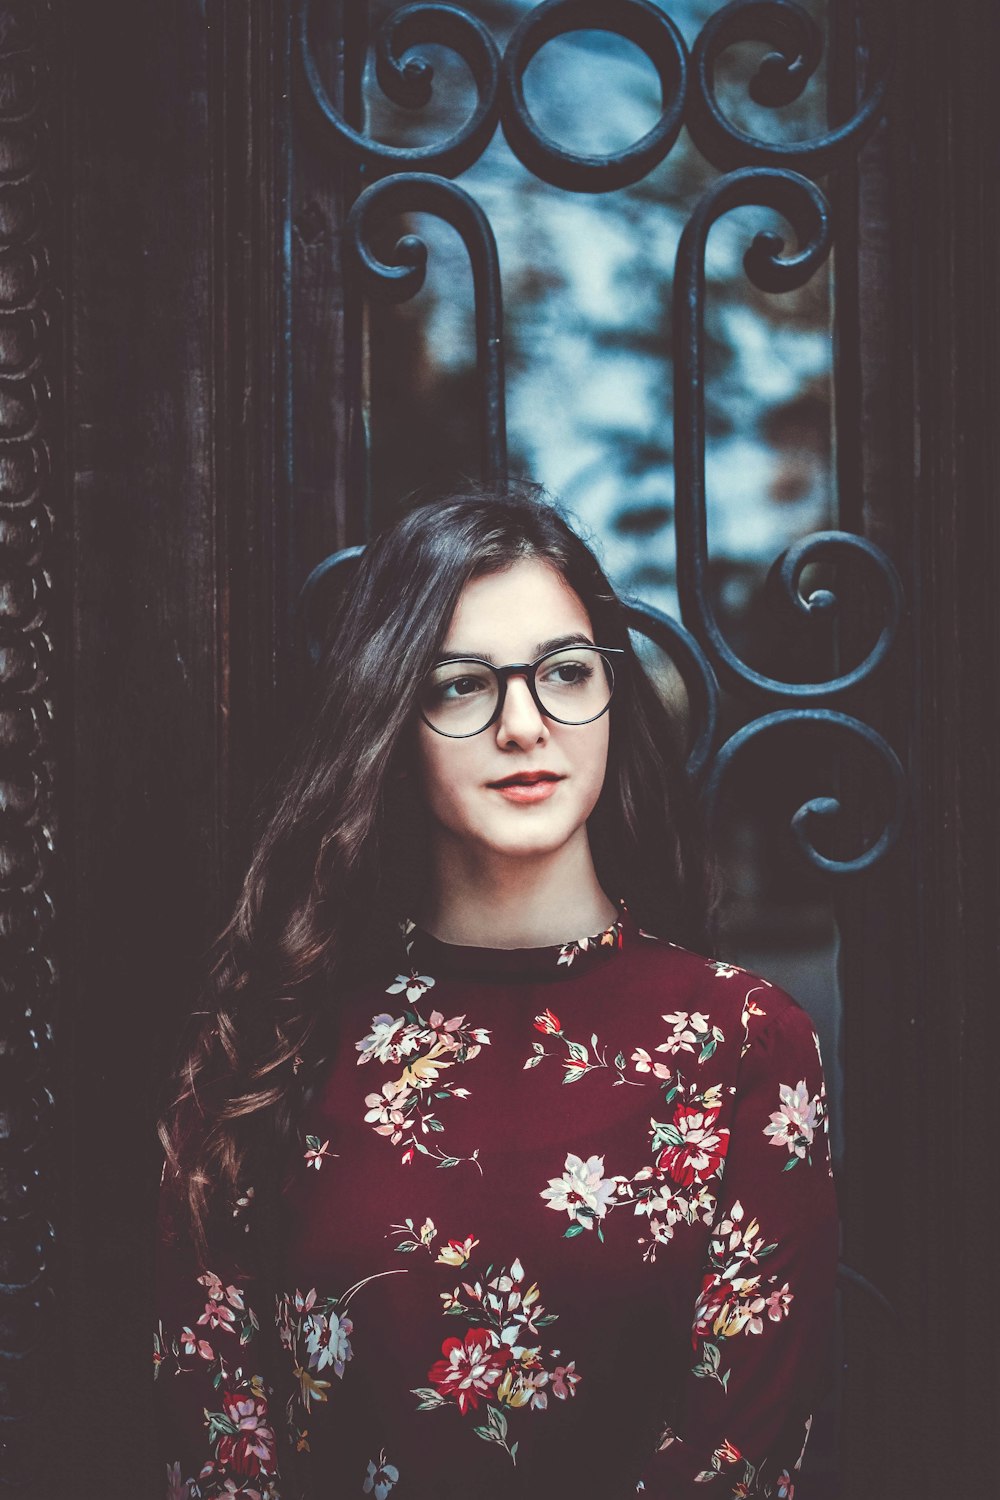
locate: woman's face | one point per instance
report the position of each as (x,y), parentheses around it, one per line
(513,616)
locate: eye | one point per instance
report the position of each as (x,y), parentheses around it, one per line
(568,673)
(461,687)
(453,682)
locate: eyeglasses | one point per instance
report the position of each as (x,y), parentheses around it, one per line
(464,695)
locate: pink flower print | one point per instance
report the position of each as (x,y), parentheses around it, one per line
(192,1344)
(384,1107)
(645,1064)
(317,1154)
(786,1489)
(178,1488)
(217,1315)
(565,1380)
(728,1453)
(218,1292)
(470,1367)
(794,1123)
(548,1023)
(251,1449)
(778,1303)
(283,1321)
(445,1030)
(700,1151)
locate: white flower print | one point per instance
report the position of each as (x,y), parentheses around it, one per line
(691,1031)
(793,1125)
(414,985)
(724,970)
(582,1191)
(327,1341)
(388,1041)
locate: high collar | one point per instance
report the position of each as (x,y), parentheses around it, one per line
(431,956)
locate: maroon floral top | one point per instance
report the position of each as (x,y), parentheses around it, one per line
(562,1221)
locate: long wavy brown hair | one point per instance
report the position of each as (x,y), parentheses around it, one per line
(341,852)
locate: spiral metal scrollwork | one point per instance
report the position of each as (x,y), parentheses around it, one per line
(409,81)
(832,722)
(804,206)
(420,192)
(781,77)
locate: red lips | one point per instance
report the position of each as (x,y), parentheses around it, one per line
(527,778)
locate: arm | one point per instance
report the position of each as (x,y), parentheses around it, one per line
(213,1424)
(762,1323)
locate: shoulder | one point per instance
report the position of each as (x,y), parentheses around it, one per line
(735,999)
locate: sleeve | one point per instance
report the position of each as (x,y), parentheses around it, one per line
(762,1325)
(213,1427)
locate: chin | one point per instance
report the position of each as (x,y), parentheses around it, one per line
(523,842)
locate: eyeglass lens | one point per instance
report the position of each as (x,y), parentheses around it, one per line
(574,685)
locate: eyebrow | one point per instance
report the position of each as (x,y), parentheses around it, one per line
(556,644)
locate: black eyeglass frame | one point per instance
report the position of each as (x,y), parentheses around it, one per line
(527,670)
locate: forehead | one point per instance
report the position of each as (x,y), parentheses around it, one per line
(512,611)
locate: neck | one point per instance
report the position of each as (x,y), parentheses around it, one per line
(499,902)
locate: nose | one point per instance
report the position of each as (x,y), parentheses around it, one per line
(520,721)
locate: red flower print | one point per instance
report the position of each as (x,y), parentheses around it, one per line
(250,1450)
(548,1023)
(469,1368)
(699,1153)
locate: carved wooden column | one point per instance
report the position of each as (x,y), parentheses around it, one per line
(32,641)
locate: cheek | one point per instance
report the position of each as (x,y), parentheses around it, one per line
(440,773)
(597,760)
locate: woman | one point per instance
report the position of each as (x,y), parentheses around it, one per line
(482,1178)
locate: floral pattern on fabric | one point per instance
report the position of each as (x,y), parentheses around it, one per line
(317,1334)
(578,1061)
(746,1480)
(380,1478)
(405,1107)
(610,938)
(705,1068)
(795,1123)
(732,1302)
(495,1367)
(688,1149)
(455,1253)
(240,1436)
